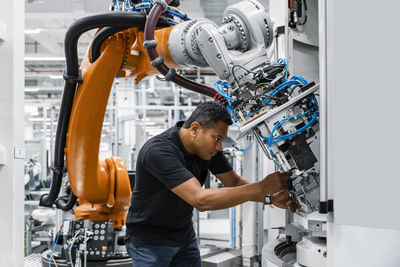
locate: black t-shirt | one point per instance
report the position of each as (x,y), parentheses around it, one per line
(157,216)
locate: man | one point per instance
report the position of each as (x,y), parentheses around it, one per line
(171,169)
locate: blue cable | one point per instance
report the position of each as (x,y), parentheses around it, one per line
(130,7)
(263,137)
(273,140)
(302,129)
(147,6)
(221,91)
(234,227)
(279,88)
(281,61)
(170,11)
(55,244)
(250,114)
(169,22)
(300,79)
(314,101)
(220,87)
(118,7)
(177,14)
(245,149)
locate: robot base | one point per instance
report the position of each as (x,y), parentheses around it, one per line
(117,261)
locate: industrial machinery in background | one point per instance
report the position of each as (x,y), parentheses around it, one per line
(141,38)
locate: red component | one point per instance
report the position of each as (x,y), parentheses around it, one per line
(220,98)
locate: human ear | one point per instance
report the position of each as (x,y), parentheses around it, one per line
(195,128)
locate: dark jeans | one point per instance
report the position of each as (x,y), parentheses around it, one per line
(162,256)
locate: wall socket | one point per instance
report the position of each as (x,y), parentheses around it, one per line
(19,153)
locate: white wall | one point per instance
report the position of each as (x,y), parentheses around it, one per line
(363,127)
(12,134)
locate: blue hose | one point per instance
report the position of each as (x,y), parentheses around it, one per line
(247,148)
(55,244)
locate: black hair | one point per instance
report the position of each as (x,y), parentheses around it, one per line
(207,114)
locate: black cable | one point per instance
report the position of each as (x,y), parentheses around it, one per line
(100,37)
(66,205)
(234,76)
(72,77)
(305,15)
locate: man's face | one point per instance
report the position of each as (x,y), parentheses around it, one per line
(208,142)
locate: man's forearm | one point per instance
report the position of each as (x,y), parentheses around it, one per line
(241,182)
(222,198)
(257,198)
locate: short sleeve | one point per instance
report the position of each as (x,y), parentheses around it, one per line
(219,164)
(164,163)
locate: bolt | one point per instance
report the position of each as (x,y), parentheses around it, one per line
(219,56)
(210,39)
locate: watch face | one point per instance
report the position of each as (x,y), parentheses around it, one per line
(268,199)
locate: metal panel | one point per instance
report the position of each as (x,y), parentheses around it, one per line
(363,155)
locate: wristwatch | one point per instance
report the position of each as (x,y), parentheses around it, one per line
(268,200)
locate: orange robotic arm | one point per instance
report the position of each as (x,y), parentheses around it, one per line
(103,187)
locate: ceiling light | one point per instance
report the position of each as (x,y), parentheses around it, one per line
(32,31)
(56,77)
(44,58)
(31,89)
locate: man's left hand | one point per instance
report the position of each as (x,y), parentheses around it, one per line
(285,200)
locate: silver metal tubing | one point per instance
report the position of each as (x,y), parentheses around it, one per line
(322,12)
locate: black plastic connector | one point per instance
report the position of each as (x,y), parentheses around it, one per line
(307,86)
(323,207)
(157,62)
(73,79)
(330,205)
(150,44)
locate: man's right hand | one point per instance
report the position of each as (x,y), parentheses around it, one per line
(275,182)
